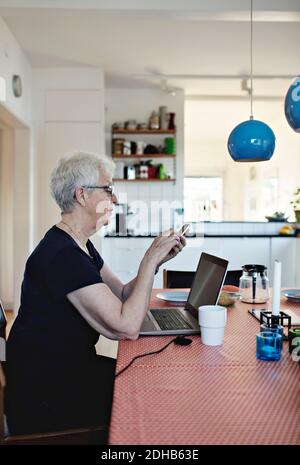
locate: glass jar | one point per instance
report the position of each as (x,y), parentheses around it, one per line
(154,120)
(254,284)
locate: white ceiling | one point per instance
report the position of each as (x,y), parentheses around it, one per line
(163,43)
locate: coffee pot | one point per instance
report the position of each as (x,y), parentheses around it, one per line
(122,211)
(254,284)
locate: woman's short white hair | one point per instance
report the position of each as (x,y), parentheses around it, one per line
(75,170)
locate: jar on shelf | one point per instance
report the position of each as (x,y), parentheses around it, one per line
(171,124)
(154,120)
(133,147)
(117,146)
(142,126)
(130,125)
(117,126)
(140,147)
(170,145)
(127,148)
(129,172)
(163,118)
(143,170)
(161,171)
(152,169)
(169,174)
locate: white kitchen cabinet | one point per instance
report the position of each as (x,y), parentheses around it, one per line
(70,111)
(240,251)
(124,255)
(188,259)
(237,250)
(59,139)
(285,249)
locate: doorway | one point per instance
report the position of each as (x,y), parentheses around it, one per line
(16,177)
(6,216)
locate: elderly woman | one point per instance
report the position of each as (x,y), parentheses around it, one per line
(69,297)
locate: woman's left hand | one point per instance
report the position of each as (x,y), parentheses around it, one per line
(175,249)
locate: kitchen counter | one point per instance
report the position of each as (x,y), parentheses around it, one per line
(224,229)
(124,254)
(191,236)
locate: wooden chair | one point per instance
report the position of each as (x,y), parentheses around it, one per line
(3,323)
(173,279)
(83,436)
(233,277)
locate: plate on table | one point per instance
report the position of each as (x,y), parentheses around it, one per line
(176,296)
(292,294)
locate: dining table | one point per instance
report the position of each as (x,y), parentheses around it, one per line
(199,394)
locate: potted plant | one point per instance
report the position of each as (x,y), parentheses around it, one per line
(296,204)
(277,216)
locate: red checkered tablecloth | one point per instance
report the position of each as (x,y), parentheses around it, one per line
(198,394)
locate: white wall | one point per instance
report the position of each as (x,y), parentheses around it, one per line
(124,104)
(13,61)
(6,216)
(68,115)
(15,208)
(17,156)
(207,128)
(23,208)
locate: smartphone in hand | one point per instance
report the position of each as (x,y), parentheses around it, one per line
(184,229)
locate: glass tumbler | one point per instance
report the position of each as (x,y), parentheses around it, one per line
(268,346)
(274,328)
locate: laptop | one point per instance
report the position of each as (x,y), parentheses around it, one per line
(205,290)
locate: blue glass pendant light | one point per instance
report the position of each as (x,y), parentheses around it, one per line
(252,140)
(292,105)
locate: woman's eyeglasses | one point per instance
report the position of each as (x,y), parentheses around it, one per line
(109,188)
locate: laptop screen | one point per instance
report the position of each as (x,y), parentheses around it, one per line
(207,283)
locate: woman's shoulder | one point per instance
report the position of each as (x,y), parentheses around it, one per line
(57,247)
(54,241)
(55,238)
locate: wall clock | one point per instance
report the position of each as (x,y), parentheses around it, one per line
(17,85)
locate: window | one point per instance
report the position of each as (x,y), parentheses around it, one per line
(203,198)
(270,195)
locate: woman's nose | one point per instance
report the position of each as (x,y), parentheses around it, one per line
(114,199)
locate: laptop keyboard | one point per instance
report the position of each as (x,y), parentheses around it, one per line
(170,319)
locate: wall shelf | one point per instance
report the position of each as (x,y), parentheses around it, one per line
(144,131)
(145,155)
(144,180)
(118,144)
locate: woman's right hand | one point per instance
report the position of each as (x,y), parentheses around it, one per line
(161,247)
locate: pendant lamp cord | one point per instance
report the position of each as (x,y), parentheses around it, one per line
(251,67)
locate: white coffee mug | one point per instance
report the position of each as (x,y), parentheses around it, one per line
(140,147)
(212,320)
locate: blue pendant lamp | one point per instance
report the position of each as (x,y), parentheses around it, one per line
(251,140)
(292,105)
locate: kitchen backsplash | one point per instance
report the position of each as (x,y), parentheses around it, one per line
(243,228)
(153,222)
